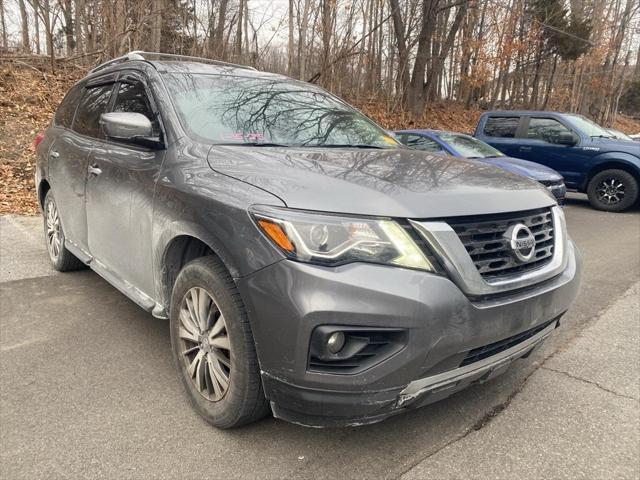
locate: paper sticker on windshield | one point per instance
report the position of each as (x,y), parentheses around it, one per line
(389,140)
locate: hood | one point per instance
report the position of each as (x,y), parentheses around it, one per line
(618,144)
(395,182)
(528,169)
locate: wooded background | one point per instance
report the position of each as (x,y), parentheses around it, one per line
(404,63)
(574,55)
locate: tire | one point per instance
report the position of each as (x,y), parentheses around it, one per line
(61,258)
(206,283)
(612,190)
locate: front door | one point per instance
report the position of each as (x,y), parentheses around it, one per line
(538,144)
(120,190)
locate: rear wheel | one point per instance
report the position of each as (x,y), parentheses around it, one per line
(61,258)
(613,190)
(213,346)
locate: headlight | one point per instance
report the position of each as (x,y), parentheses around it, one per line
(335,240)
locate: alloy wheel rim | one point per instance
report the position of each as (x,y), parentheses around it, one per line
(205,347)
(610,191)
(53,230)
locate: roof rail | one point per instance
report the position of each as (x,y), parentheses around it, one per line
(140,55)
(124,58)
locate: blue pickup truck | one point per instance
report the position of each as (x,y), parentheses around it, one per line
(589,157)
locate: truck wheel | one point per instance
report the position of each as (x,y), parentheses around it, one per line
(612,190)
(61,258)
(213,346)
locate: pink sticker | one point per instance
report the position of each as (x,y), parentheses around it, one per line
(240,136)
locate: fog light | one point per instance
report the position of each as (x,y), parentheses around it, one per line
(335,342)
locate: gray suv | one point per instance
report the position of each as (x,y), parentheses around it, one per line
(309,265)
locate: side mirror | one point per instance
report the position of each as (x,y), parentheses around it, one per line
(566,138)
(129,127)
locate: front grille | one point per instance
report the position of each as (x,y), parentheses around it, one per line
(483,238)
(487,351)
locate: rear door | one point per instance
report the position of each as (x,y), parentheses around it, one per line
(500,132)
(68,158)
(120,191)
(537,143)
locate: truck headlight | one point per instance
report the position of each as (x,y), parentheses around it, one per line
(331,240)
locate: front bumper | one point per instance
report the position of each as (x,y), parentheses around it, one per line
(287,301)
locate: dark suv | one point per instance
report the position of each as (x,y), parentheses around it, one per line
(590,158)
(309,264)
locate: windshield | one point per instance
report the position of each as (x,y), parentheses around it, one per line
(257,111)
(589,128)
(469,147)
(620,135)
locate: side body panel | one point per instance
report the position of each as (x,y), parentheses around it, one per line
(120,210)
(193,200)
(67,162)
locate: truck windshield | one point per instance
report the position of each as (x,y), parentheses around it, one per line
(469,147)
(231,110)
(589,128)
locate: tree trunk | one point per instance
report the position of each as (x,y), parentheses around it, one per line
(302,41)
(438,64)
(156,25)
(402,81)
(218,40)
(68,28)
(327,11)
(24,21)
(550,82)
(36,29)
(290,43)
(78,11)
(415,102)
(3,25)
(238,47)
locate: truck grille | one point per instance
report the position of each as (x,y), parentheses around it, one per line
(491,252)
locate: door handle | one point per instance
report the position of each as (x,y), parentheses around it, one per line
(525,149)
(94,170)
(54,154)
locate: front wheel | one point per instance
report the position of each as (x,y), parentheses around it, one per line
(613,190)
(213,346)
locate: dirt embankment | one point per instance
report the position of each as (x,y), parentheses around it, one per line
(29,98)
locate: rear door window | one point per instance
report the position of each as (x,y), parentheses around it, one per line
(504,127)
(93,104)
(546,129)
(422,143)
(66,110)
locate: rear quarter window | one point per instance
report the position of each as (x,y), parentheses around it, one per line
(505,127)
(66,110)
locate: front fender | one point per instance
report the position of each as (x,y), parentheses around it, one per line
(605,160)
(618,157)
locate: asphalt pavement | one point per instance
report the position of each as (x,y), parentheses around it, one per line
(88,388)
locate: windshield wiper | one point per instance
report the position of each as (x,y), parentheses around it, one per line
(347,145)
(252,144)
(602,136)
